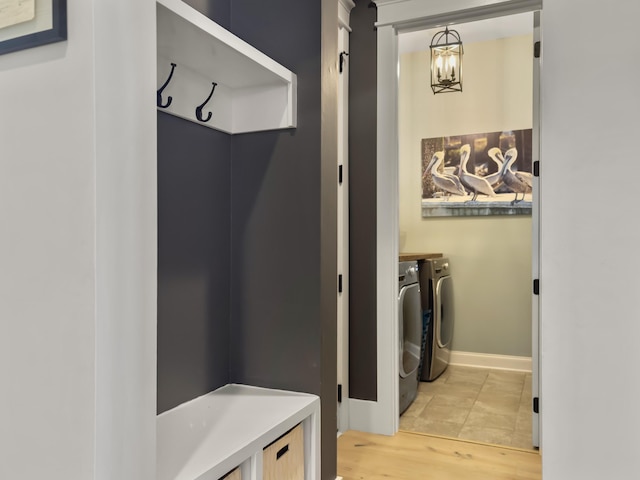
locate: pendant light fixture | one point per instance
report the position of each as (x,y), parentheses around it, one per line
(446,62)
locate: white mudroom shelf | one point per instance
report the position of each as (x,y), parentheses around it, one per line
(211,435)
(253,92)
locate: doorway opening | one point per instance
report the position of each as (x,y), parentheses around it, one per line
(488,241)
(394,21)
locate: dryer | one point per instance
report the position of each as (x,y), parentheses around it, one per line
(437,305)
(409,332)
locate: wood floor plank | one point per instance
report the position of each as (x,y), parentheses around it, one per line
(410,456)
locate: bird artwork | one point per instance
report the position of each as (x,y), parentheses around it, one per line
(447,182)
(477,174)
(474,183)
(517,182)
(495,179)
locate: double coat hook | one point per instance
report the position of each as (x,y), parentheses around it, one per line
(201,106)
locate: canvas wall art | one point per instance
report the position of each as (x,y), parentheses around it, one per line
(477,174)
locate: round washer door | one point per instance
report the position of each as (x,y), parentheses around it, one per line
(444,311)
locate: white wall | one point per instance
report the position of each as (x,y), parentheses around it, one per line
(589,241)
(490,256)
(47,250)
(589,255)
(77,250)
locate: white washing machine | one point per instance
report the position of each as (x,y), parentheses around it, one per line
(410,331)
(437,303)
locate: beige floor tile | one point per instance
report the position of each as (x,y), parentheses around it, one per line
(464,400)
(406,423)
(497,403)
(506,376)
(421,401)
(436,427)
(424,387)
(522,440)
(506,421)
(474,404)
(502,388)
(523,421)
(449,414)
(468,377)
(431,387)
(459,390)
(485,434)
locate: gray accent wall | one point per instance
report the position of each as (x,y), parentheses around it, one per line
(194,222)
(362,204)
(276,207)
(247,287)
(279,335)
(218,10)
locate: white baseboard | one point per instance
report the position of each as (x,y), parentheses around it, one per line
(372,417)
(338,478)
(486,360)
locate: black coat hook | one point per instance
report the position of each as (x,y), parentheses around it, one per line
(169,98)
(200,107)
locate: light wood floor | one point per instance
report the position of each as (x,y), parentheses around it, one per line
(414,456)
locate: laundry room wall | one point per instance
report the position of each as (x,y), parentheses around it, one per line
(490,255)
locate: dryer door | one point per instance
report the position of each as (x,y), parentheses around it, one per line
(410,329)
(444,311)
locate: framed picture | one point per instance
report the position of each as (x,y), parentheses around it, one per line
(31,23)
(477,174)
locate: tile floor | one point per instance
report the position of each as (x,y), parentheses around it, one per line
(485,405)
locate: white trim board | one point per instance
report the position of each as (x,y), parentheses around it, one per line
(488,360)
(368,416)
(402,16)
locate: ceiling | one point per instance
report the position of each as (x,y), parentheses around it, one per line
(480,31)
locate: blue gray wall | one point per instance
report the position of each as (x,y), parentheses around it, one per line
(194,223)
(247,235)
(276,205)
(362,204)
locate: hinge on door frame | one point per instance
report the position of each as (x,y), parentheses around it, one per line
(536,49)
(342,59)
(340,283)
(536,286)
(339,393)
(536,168)
(339,174)
(536,405)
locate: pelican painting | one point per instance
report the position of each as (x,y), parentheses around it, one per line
(518,182)
(477,174)
(471,182)
(444,181)
(495,179)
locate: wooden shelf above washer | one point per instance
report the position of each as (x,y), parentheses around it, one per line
(411,257)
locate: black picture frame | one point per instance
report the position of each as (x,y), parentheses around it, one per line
(57,33)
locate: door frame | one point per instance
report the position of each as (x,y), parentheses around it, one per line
(345,7)
(395,16)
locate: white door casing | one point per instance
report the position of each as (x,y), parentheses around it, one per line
(535,239)
(345,7)
(395,16)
